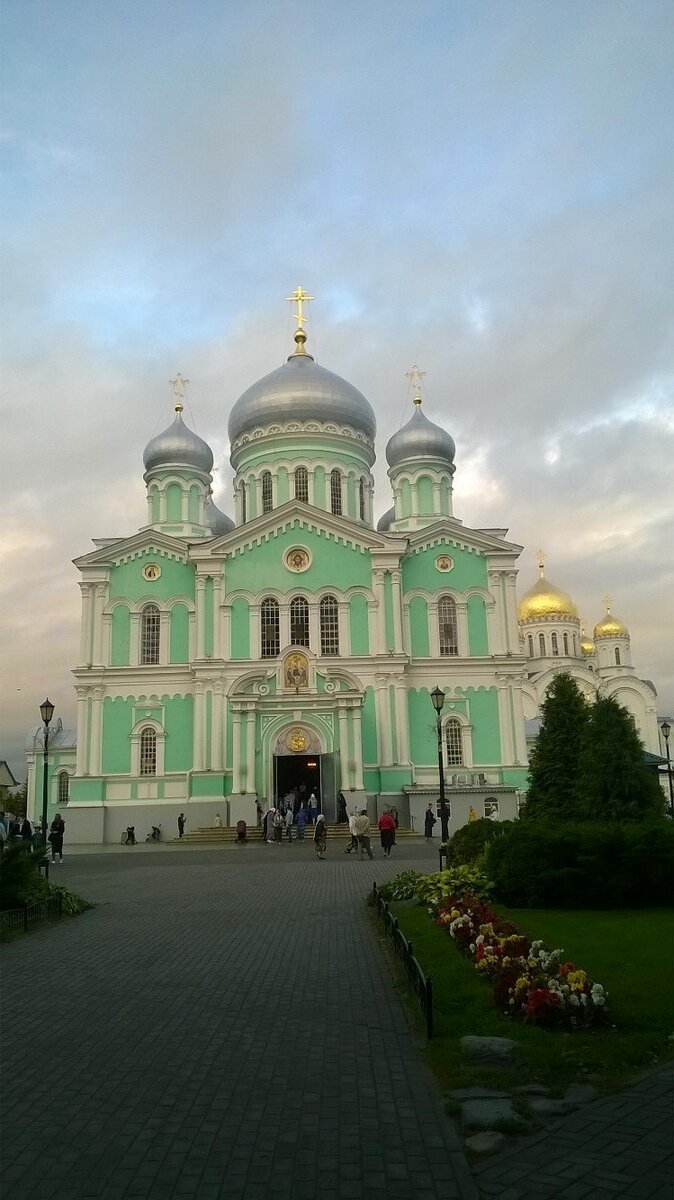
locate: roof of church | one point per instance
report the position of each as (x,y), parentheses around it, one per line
(420,438)
(178,446)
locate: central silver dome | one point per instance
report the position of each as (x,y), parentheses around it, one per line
(301,390)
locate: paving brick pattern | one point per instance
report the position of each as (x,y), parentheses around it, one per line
(618,1146)
(222,1025)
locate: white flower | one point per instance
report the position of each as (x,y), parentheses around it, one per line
(573,1000)
(597,990)
(598,1001)
(479,940)
(583,999)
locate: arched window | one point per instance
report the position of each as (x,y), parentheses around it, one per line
(336,492)
(361,498)
(64,787)
(329,616)
(541,645)
(454,742)
(244,505)
(447,626)
(299,622)
(267,492)
(531,646)
(617,656)
(149,635)
(148,752)
(302,484)
(555,647)
(269,628)
(566,644)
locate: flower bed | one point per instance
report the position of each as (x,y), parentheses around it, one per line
(527,979)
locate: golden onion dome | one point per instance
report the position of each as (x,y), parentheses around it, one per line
(610,627)
(587,646)
(545,600)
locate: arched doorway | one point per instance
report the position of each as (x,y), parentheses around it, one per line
(301,765)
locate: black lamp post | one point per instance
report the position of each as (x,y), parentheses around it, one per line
(666,730)
(438,698)
(46,712)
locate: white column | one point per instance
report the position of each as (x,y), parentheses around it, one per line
(433,631)
(397,611)
(310,488)
(134,647)
(254,631)
(284,623)
(512,627)
(85,631)
(81,730)
(163,503)
(495,615)
(462,629)
(518,721)
(164,623)
(250,751)
(314,629)
(98,623)
(437,502)
(380,645)
(384,721)
(343,628)
(96,731)
(358,746)
(184,504)
(344,749)
(507,751)
(236,751)
(401,719)
(414,498)
(199,731)
(217,756)
(201,616)
(226,633)
(217,616)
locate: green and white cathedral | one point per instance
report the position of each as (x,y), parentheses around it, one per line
(223,661)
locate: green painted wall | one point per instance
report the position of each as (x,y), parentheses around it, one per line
(405,498)
(444,497)
(423,739)
(419,570)
(483,710)
(425,495)
(120,636)
(178,726)
(358,625)
(179,634)
(240,628)
(193,504)
(394,779)
(208,618)
(319,487)
(117,725)
(174,502)
(212,784)
(154,502)
(478,636)
(85,791)
(262,567)
(176,579)
(283,486)
(419,627)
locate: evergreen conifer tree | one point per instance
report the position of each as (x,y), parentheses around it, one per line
(555,761)
(615,783)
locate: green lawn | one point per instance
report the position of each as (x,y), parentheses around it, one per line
(629,952)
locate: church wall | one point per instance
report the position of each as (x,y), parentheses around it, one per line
(240,633)
(178,725)
(388,612)
(358,625)
(419,631)
(420,571)
(423,740)
(176,579)
(282,486)
(179,634)
(208,618)
(478,635)
(120,636)
(369,726)
(484,717)
(118,721)
(261,568)
(319,487)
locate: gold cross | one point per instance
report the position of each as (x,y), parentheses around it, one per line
(415,377)
(607,601)
(178,385)
(541,560)
(298,297)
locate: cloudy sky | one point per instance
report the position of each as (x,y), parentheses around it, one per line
(483,187)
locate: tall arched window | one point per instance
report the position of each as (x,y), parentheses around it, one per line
(617,657)
(329,617)
(299,622)
(302,484)
(566,644)
(336,492)
(555,647)
(148,752)
(541,645)
(64,787)
(267,492)
(269,628)
(447,626)
(531,646)
(454,742)
(149,635)
(361,498)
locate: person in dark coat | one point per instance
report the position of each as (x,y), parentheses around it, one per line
(342,815)
(429,821)
(56,832)
(387,832)
(27,831)
(181,824)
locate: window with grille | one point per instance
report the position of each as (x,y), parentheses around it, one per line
(531,646)
(269,628)
(149,635)
(336,492)
(148,752)
(267,493)
(541,645)
(64,787)
(447,626)
(555,647)
(299,622)
(329,615)
(302,484)
(617,657)
(361,498)
(454,742)
(566,643)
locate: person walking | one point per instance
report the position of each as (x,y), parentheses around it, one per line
(342,815)
(27,831)
(362,828)
(430,820)
(290,821)
(320,837)
(353,844)
(268,826)
(279,824)
(313,807)
(181,824)
(56,832)
(387,832)
(301,823)
(217,824)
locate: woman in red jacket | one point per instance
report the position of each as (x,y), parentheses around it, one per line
(387,830)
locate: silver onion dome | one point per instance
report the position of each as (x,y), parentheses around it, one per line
(386,521)
(178,446)
(420,438)
(301,390)
(217,521)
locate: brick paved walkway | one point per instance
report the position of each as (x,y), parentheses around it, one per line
(222,1025)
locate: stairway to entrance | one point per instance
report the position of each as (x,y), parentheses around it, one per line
(207,835)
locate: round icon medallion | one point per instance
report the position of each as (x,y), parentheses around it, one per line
(297,559)
(444,563)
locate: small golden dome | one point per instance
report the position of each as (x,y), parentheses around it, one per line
(545,600)
(587,646)
(610,627)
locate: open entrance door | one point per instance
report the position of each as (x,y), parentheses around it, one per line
(297,771)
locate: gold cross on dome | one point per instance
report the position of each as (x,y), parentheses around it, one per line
(541,555)
(178,385)
(415,377)
(607,601)
(298,297)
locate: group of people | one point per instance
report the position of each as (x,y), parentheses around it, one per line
(18,830)
(291,818)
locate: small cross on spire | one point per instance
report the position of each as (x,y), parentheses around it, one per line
(298,297)
(607,601)
(178,385)
(415,377)
(541,555)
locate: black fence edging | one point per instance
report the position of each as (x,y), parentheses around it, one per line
(420,983)
(30,914)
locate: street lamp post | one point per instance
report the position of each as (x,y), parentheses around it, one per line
(666,730)
(46,712)
(438,698)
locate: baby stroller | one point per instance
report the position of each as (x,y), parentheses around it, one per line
(241,832)
(155,835)
(130,835)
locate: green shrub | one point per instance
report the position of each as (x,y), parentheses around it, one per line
(469,842)
(20,877)
(403,887)
(429,889)
(583,865)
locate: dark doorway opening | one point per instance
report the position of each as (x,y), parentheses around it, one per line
(302,771)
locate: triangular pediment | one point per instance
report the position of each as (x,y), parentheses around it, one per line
(120,549)
(295,515)
(446,530)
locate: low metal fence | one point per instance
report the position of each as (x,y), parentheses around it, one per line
(420,983)
(30,914)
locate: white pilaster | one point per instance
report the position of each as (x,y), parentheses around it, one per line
(250,751)
(101,589)
(380,643)
(358,747)
(496,616)
(504,720)
(217,616)
(343,627)
(96,731)
(384,720)
(85,631)
(397,611)
(510,601)
(81,730)
(402,729)
(217,748)
(201,616)
(345,773)
(199,730)
(236,751)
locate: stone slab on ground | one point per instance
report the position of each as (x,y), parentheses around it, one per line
(581,1093)
(476,1093)
(493,1115)
(480,1048)
(485,1143)
(547,1106)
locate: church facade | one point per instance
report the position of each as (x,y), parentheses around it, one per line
(224,661)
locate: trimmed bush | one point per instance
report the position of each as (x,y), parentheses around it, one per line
(582,865)
(469,842)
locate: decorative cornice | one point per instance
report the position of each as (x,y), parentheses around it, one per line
(287,428)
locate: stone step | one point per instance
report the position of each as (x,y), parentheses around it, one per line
(227,834)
